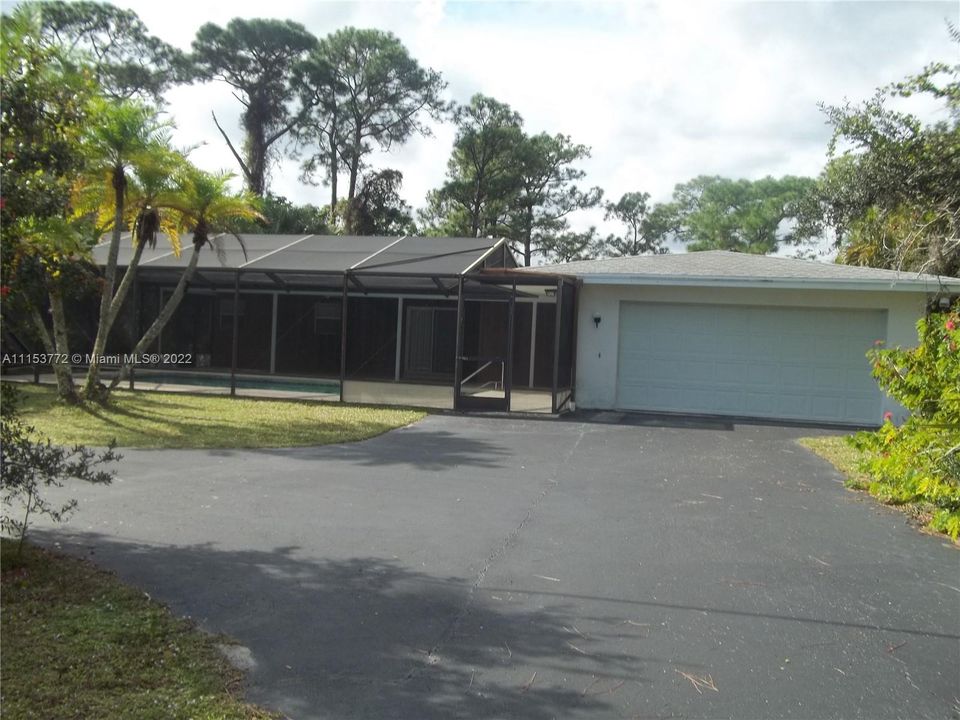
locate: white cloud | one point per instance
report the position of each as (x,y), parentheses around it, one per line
(662,92)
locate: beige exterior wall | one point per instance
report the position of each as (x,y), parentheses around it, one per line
(597,346)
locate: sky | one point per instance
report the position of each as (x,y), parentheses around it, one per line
(661,92)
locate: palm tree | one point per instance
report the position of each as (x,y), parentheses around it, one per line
(124,141)
(205,207)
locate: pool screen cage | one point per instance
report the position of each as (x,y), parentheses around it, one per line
(426,321)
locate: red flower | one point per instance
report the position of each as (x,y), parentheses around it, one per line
(4,291)
(887,416)
(950,325)
(877,343)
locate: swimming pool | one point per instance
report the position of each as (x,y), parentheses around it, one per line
(303,385)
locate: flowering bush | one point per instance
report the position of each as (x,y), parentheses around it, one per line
(920,460)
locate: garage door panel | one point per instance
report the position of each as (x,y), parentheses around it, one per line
(729,401)
(827,407)
(761,374)
(858,381)
(697,370)
(794,344)
(763,346)
(796,376)
(830,378)
(762,404)
(790,363)
(730,371)
(794,404)
(860,407)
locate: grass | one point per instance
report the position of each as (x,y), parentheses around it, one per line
(78,643)
(844,457)
(178,420)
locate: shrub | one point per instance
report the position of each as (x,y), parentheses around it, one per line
(919,461)
(28,464)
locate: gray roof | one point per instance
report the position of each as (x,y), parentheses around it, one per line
(718,267)
(323,253)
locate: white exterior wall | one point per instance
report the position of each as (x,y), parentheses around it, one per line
(597,346)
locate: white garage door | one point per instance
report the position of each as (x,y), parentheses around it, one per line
(785,363)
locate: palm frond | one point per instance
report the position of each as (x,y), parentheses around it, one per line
(170,226)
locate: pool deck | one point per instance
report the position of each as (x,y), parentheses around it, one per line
(522,401)
(49,379)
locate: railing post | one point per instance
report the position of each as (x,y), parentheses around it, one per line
(458,362)
(343,335)
(507,371)
(236,335)
(558,317)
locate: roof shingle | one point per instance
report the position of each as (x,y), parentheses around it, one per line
(723,265)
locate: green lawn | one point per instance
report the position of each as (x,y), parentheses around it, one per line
(177,420)
(78,643)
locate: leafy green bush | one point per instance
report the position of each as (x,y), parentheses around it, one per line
(29,464)
(919,461)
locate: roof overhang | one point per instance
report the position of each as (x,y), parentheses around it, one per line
(904,284)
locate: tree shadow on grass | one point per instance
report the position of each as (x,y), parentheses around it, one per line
(365,637)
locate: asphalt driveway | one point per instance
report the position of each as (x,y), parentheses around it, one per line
(506,568)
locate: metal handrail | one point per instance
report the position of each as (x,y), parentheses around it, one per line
(478,371)
(483,367)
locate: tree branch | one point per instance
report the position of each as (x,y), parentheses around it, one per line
(243,165)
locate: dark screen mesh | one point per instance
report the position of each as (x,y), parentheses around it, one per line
(543,361)
(429,340)
(522,320)
(565,359)
(192,330)
(253,333)
(372,338)
(308,335)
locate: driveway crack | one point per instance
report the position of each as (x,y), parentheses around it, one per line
(497,554)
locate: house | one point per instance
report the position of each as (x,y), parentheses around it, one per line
(453,323)
(732,334)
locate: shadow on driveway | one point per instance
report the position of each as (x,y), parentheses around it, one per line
(419,446)
(366,637)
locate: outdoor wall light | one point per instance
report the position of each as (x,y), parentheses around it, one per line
(597,319)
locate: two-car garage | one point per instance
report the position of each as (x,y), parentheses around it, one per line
(729,334)
(752,361)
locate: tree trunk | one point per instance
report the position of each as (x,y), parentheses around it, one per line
(475,221)
(106,294)
(528,238)
(477,204)
(162,319)
(62,367)
(66,390)
(115,305)
(354,165)
(256,146)
(334,168)
(125,284)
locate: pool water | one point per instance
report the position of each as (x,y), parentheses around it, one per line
(243,383)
